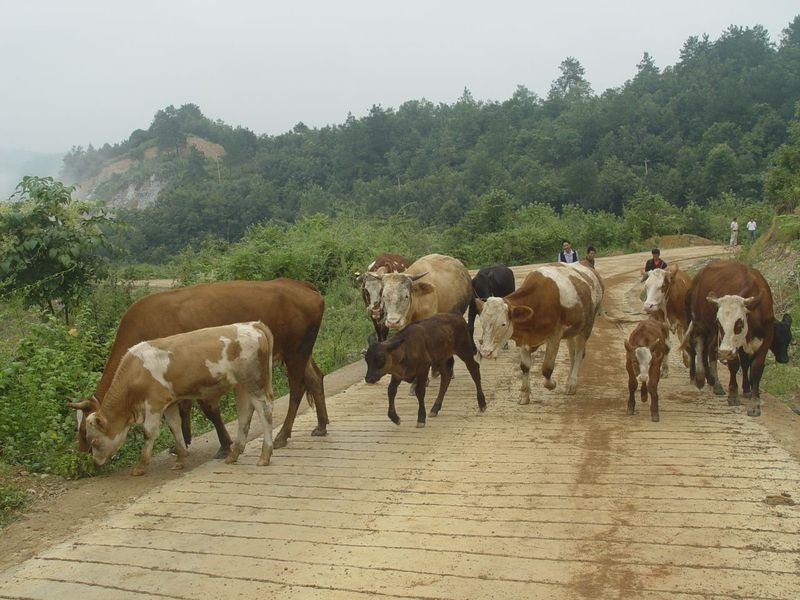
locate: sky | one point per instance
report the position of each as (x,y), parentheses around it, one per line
(91,71)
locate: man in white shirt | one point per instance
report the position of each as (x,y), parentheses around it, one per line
(751,229)
(567,254)
(734,232)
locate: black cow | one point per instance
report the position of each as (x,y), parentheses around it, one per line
(494,280)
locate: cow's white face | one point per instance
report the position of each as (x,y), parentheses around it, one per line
(497,327)
(372,285)
(656,287)
(642,359)
(396,299)
(732,319)
(103,444)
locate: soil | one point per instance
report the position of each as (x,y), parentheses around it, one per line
(564,498)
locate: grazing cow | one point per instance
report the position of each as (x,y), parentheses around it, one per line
(407,297)
(409,355)
(666,291)
(555,302)
(732,320)
(647,351)
(153,376)
(372,286)
(291,309)
(496,280)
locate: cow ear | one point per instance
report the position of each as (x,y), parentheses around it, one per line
(358,277)
(420,288)
(479,306)
(100,422)
(521,314)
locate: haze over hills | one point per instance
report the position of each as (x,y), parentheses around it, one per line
(14,164)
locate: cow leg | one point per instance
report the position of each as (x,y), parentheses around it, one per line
(549,362)
(652,385)
(746,361)
(185,409)
(733,387)
(712,373)
(525,366)
(692,361)
(665,360)
(314,382)
(244,414)
(392,392)
(700,366)
(211,412)
(151,427)
(632,385)
(172,414)
(643,393)
(295,370)
(577,350)
(446,376)
(263,406)
(756,371)
(475,372)
(420,384)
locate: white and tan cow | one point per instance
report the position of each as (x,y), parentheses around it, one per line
(555,302)
(433,284)
(666,291)
(155,375)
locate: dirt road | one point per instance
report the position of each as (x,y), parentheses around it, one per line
(564,498)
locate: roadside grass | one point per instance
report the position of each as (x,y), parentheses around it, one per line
(13,499)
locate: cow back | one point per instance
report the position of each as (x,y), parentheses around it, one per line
(451,280)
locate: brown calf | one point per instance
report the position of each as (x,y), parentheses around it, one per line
(409,355)
(646,361)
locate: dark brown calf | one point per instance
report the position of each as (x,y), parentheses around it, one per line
(416,348)
(646,360)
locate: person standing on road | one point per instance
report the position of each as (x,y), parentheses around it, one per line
(567,254)
(655,262)
(734,232)
(751,229)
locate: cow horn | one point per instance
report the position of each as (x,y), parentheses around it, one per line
(415,277)
(712,297)
(753,300)
(83,405)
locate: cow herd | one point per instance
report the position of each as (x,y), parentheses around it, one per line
(200,342)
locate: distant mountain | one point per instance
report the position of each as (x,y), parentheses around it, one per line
(14,164)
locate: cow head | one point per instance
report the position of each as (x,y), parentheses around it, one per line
(378,360)
(782,337)
(641,358)
(102,439)
(732,320)
(371,287)
(398,289)
(84,408)
(656,286)
(497,321)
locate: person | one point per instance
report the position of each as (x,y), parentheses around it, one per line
(591,251)
(751,229)
(734,232)
(655,262)
(567,254)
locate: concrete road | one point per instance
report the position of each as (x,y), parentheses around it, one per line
(564,498)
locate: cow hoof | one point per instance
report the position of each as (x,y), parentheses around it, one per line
(748,395)
(630,411)
(549,384)
(137,471)
(279,442)
(719,390)
(178,467)
(223,452)
(319,432)
(420,425)
(524,401)
(570,390)
(433,413)
(394,419)
(655,418)
(734,401)
(699,384)
(482,407)
(754,412)
(263,462)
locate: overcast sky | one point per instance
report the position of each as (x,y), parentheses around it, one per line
(91,71)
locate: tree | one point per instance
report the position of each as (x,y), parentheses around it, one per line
(51,246)
(571,84)
(782,184)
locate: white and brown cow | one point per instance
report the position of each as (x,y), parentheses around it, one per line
(555,302)
(153,376)
(646,360)
(666,291)
(372,287)
(433,284)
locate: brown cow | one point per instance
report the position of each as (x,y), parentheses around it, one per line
(372,286)
(732,319)
(666,291)
(291,309)
(407,297)
(409,355)
(205,363)
(555,302)
(647,352)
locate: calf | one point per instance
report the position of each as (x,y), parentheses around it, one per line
(409,355)
(647,351)
(496,280)
(154,376)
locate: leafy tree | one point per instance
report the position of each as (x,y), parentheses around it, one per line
(51,246)
(571,84)
(782,184)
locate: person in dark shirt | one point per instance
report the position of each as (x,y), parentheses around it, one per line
(655,262)
(567,254)
(591,251)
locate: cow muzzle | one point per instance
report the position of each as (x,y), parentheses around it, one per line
(394,323)
(649,308)
(643,379)
(726,355)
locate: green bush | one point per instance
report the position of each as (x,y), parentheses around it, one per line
(12,499)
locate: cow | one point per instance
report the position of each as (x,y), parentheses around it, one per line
(495,280)
(732,319)
(153,376)
(666,291)
(407,297)
(646,360)
(291,309)
(411,352)
(372,286)
(556,301)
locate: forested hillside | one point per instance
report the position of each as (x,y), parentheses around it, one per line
(709,125)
